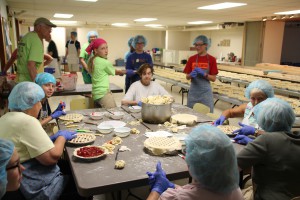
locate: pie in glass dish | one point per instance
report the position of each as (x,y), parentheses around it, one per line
(83,139)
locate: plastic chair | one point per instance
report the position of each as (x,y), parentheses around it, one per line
(79,104)
(201,108)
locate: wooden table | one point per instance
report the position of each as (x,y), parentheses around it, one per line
(82,89)
(100,177)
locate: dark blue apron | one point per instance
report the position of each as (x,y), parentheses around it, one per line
(200,90)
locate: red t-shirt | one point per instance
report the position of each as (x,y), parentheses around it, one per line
(202,63)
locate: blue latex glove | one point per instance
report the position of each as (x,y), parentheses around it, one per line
(130,73)
(193,74)
(68,135)
(220,121)
(242,139)
(245,130)
(139,104)
(3,73)
(61,107)
(57,114)
(161,183)
(200,71)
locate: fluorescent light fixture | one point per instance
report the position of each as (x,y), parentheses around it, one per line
(283,17)
(88,0)
(274,18)
(63,22)
(220,6)
(154,25)
(120,24)
(292,16)
(292,12)
(60,15)
(264,19)
(200,22)
(145,19)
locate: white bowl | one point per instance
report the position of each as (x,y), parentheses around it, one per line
(116,115)
(105,129)
(135,109)
(122,131)
(96,115)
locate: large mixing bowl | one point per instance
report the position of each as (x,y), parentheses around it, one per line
(156,114)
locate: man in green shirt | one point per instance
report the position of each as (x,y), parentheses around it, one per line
(31,50)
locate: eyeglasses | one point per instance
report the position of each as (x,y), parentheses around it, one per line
(199,45)
(18,164)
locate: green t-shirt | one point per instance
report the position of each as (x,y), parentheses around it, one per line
(83,53)
(100,81)
(29,49)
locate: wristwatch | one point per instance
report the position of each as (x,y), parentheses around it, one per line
(256,132)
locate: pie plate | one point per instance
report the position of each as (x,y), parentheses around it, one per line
(89,159)
(228,129)
(82,139)
(113,123)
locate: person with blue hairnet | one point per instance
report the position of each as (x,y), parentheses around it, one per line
(10,168)
(274,155)
(38,152)
(48,82)
(72,53)
(131,49)
(201,68)
(212,164)
(135,60)
(84,57)
(257,91)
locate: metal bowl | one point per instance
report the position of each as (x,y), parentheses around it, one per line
(156,114)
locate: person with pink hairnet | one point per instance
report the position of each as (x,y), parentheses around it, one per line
(100,68)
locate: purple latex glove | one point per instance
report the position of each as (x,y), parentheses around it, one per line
(130,73)
(161,183)
(193,74)
(200,71)
(57,114)
(245,130)
(139,103)
(68,135)
(220,120)
(242,139)
(61,106)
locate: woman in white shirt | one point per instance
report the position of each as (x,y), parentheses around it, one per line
(144,87)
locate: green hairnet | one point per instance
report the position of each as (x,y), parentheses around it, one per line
(211,159)
(24,95)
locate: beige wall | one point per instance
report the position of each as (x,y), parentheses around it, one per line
(272,43)
(178,40)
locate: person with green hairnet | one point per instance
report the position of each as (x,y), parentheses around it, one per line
(38,152)
(10,168)
(84,57)
(211,161)
(257,91)
(274,155)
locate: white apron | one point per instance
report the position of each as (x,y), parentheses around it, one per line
(248,115)
(72,57)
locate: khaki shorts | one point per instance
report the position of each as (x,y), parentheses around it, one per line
(107,101)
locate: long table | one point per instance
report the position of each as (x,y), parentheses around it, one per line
(92,178)
(82,89)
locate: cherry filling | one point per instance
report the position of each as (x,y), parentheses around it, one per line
(89,152)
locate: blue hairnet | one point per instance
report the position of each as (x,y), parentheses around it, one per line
(203,39)
(262,85)
(24,95)
(92,33)
(139,39)
(274,114)
(6,151)
(43,78)
(211,159)
(130,41)
(74,33)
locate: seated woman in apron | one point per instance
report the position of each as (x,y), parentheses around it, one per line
(144,87)
(257,91)
(274,155)
(100,69)
(201,68)
(42,178)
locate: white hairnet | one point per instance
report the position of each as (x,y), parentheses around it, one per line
(139,39)
(203,39)
(24,95)
(6,151)
(274,114)
(262,85)
(44,78)
(211,159)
